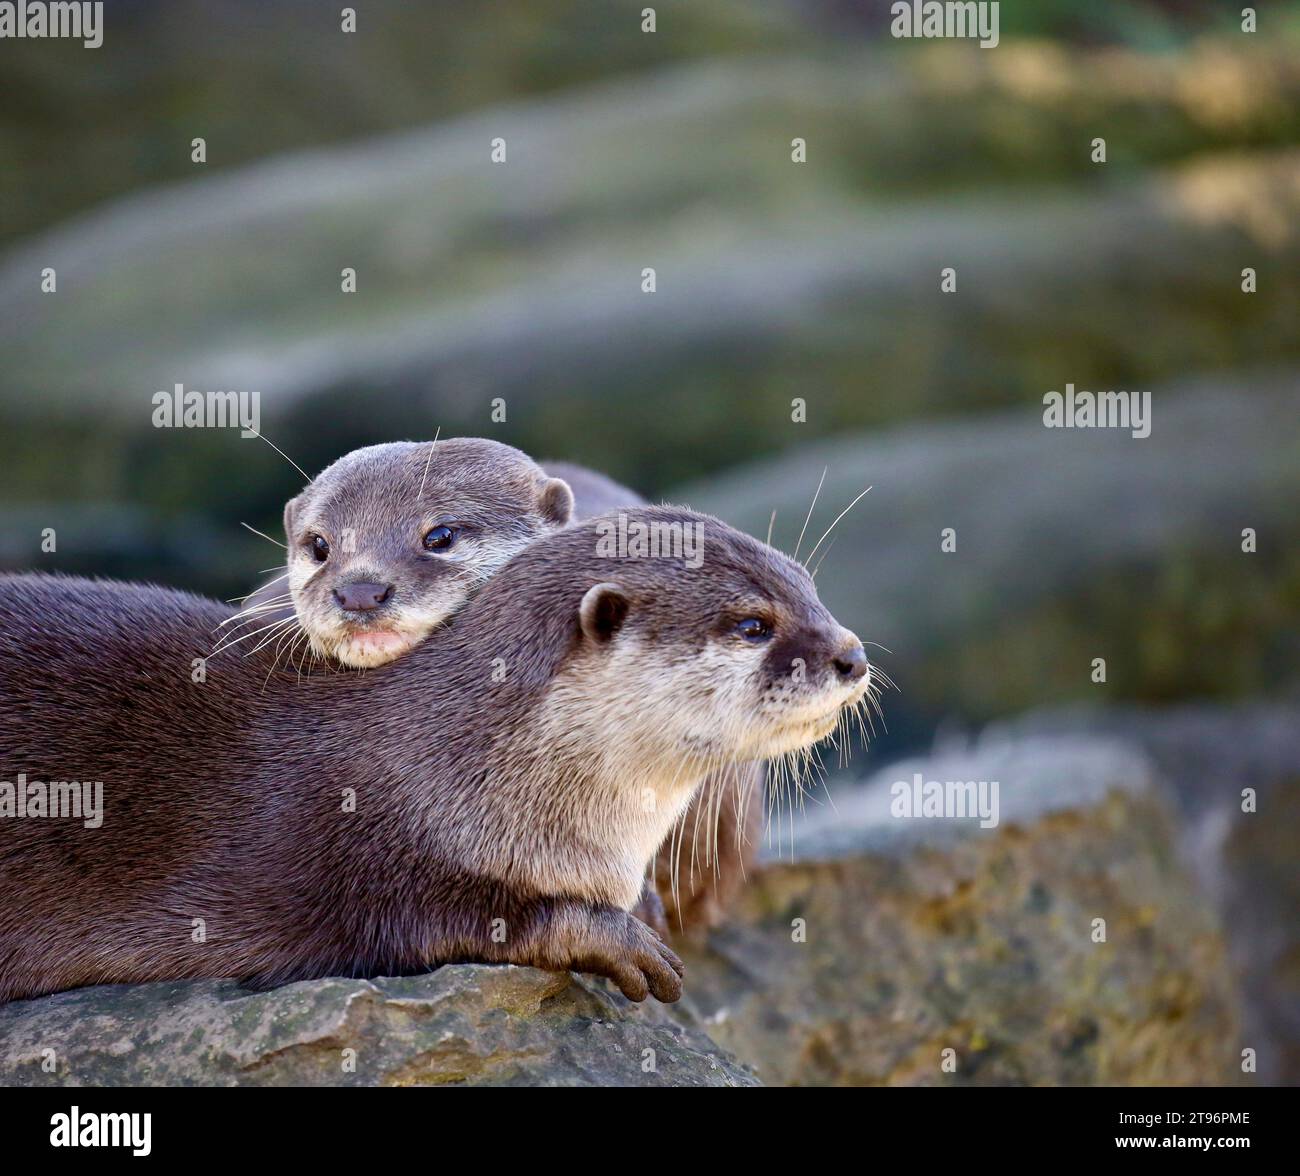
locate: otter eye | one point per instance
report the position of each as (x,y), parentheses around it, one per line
(754,629)
(439,538)
(320,548)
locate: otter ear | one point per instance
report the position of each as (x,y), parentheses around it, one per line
(555,501)
(602,612)
(290,509)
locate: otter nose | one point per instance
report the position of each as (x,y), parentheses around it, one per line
(851,663)
(362,597)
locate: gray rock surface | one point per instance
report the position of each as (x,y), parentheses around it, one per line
(888,941)
(1244,862)
(467,1026)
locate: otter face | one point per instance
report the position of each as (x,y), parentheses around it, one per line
(734,660)
(388,542)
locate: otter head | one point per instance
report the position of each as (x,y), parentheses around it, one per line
(713,648)
(389,541)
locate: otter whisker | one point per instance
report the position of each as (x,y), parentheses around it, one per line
(704,768)
(885,679)
(679,830)
(275,661)
(821,561)
(282,453)
(791,784)
(811,507)
(280,625)
(756,782)
(432,445)
(295,654)
(839,516)
(309,658)
(263,535)
(245,616)
(232,599)
(774,799)
(862,714)
(244,637)
(674,849)
(253,633)
(272,605)
(269,605)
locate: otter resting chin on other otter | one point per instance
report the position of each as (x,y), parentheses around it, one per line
(495,795)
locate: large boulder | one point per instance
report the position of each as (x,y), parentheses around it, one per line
(1234,773)
(923,951)
(467,1025)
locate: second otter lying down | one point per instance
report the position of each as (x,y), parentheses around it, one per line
(493,796)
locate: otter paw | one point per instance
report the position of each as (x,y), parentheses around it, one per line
(635,958)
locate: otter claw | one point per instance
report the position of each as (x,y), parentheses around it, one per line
(659,964)
(633,956)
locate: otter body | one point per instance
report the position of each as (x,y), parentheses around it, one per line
(495,795)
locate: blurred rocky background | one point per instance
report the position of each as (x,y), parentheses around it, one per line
(775,280)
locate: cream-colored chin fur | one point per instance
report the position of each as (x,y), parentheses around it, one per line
(366,650)
(362,648)
(793,737)
(808,725)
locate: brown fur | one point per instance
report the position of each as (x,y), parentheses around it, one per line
(521,768)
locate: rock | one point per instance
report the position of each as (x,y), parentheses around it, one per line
(930,935)
(773,280)
(1243,861)
(1024,106)
(466,1025)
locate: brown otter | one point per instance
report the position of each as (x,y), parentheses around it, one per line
(495,795)
(385,544)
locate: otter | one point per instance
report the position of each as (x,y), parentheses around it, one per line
(494,796)
(385,544)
